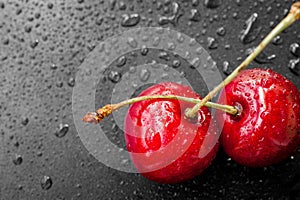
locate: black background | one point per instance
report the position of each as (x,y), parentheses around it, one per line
(42,44)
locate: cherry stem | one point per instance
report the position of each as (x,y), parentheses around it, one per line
(96,117)
(293,15)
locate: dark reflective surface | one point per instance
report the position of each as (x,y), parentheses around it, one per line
(42,44)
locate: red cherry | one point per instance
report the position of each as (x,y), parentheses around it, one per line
(165,146)
(268,129)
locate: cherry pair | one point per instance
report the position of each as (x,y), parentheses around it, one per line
(167,147)
(172,140)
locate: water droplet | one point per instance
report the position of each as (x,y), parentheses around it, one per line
(180,38)
(247,94)
(182,74)
(18,159)
(277,40)
(249,33)
(27,28)
(129,20)
(46,182)
(19,11)
(53,66)
(295,49)
(199,50)
(195,15)
(163,20)
(121,61)
(39,153)
(144,50)
(225,68)
(6,41)
(59,84)
(34,43)
(24,121)
(187,55)
(173,19)
(176,63)
(227,46)
(71,82)
(192,42)
(37,15)
(20,187)
(171,46)
(294,66)
(235,15)
(196,62)
(144,75)
(212,43)
(212,3)
(132,42)
(164,56)
(264,114)
(114,76)
(99,21)
(62,130)
(221,31)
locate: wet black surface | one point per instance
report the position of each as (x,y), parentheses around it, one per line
(42,45)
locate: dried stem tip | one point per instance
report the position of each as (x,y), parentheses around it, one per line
(295,10)
(91,117)
(96,117)
(105,111)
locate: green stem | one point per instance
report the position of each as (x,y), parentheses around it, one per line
(226,108)
(101,113)
(286,22)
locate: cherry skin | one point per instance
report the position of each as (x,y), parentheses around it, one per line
(267,130)
(165,146)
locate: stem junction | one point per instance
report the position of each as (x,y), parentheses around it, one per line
(293,15)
